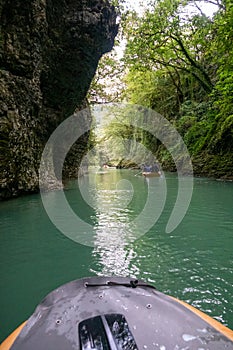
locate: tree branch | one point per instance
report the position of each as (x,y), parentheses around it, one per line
(193,62)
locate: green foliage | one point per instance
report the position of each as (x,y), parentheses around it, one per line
(118,4)
(181,65)
(223,92)
(152,89)
(106,86)
(163,39)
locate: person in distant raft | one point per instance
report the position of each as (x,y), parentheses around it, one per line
(155,167)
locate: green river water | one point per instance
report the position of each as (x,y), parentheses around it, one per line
(193,263)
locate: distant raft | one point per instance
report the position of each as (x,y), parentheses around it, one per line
(151,173)
(116,313)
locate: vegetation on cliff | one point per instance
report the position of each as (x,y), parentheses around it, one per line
(179,62)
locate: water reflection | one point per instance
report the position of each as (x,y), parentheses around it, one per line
(113,231)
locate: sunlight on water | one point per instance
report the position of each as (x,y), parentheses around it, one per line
(113,231)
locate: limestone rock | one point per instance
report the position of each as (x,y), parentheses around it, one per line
(49,54)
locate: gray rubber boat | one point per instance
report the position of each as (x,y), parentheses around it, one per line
(118,314)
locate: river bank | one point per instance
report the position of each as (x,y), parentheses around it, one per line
(218,167)
(215,166)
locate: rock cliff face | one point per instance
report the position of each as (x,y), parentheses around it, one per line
(49,54)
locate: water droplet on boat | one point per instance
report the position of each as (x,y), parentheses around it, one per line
(204,330)
(188,337)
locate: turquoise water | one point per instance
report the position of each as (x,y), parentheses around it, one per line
(193,263)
